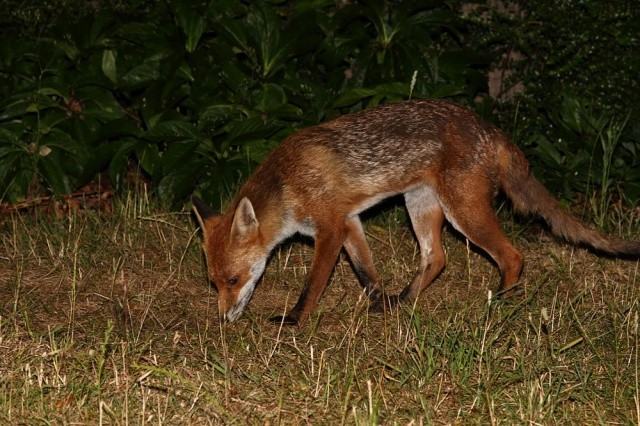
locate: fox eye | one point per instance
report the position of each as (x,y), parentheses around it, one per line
(233,280)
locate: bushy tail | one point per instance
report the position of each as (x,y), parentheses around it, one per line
(529,196)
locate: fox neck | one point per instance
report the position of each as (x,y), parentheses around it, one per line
(277,222)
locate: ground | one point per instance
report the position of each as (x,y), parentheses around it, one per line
(108,318)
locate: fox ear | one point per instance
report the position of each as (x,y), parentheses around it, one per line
(202,210)
(245,222)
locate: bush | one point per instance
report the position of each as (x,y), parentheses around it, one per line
(577,116)
(193,96)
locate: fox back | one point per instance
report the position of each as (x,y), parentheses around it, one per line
(446,161)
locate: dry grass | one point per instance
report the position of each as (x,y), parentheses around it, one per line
(109,320)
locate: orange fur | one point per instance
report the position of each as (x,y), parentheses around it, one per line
(447,163)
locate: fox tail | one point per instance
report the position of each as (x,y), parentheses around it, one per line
(530,197)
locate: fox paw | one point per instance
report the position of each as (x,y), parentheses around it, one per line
(283,319)
(383,303)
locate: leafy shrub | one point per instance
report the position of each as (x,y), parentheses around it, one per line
(578,115)
(194,94)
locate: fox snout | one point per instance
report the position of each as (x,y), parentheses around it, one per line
(229,312)
(232,304)
(222,310)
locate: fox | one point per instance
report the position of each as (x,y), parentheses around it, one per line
(445,161)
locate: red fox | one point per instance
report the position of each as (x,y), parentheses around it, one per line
(446,161)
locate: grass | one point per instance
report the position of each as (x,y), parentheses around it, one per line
(108,319)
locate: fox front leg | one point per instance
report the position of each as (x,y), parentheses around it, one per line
(325,255)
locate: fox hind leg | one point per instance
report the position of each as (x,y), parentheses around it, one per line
(360,255)
(478,222)
(427,220)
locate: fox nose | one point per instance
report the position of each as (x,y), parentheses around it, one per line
(227,314)
(222,311)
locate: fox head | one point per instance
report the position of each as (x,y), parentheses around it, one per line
(234,253)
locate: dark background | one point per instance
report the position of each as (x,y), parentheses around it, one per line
(188,97)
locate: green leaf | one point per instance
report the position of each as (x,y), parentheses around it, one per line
(149,158)
(215,115)
(570,113)
(52,119)
(353,96)
(117,129)
(120,161)
(109,65)
(15,177)
(632,192)
(99,103)
(235,33)
(61,140)
(444,90)
(69,49)
(273,100)
(9,140)
(17,108)
(179,183)
(249,129)
(54,174)
(548,152)
(178,153)
(257,150)
(173,130)
(272,95)
(234,78)
(192,25)
(49,91)
(141,76)
(8,163)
